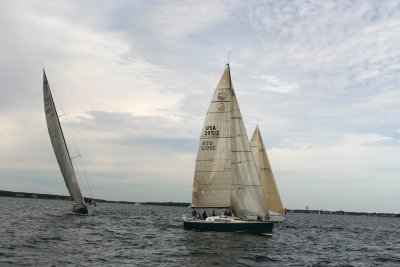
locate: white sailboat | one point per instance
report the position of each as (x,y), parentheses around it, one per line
(61,152)
(225,172)
(267,180)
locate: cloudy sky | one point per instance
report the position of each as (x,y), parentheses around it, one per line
(132,81)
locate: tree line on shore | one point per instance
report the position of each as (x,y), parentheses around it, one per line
(184,204)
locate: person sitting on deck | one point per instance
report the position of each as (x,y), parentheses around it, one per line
(228,212)
(204,215)
(194,213)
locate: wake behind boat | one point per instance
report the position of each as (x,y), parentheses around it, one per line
(62,154)
(226,176)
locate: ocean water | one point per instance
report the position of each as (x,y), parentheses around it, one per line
(35,232)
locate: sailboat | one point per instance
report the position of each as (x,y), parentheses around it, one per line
(61,152)
(267,180)
(226,176)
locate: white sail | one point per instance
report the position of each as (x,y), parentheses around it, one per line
(59,146)
(212,179)
(247,195)
(225,172)
(266,176)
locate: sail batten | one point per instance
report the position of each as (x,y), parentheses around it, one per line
(59,145)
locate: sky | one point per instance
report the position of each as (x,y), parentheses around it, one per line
(132,82)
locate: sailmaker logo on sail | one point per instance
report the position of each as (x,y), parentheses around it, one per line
(221,107)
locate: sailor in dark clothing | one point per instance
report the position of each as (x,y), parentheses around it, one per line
(213,214)
(228,213)
(194,213)
(204,215)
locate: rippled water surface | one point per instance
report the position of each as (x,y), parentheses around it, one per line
(36,232)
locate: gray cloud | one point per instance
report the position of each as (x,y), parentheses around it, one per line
(134,81)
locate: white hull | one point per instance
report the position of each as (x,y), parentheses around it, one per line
(277,218)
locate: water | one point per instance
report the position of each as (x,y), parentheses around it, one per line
(38,232)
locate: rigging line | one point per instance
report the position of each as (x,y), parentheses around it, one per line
(75,157)
(59,105)
(86,178)
(83,176)
(70,133)
(84,181)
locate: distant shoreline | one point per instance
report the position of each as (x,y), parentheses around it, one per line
(62,197)
(184,204)
(341,212)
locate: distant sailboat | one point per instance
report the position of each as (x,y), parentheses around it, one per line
(225,173)
(61,152)
(271,194)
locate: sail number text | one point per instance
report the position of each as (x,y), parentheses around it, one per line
(211,130)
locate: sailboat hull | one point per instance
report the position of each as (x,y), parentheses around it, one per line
(81,210)
(85,210)
(229,226)
(277,218)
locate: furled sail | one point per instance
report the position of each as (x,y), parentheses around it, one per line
(60,146)
(266,176)
(225,172)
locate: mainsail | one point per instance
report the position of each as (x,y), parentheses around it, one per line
(225,172)
(60,147)
(266,176)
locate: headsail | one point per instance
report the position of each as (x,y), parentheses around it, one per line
(247,195)
(266,176)
(59,146)
(225,172)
